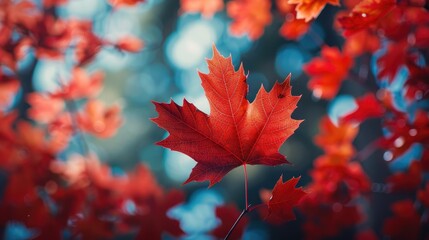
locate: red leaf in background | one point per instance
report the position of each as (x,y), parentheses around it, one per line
(367,107)
(88,44)
(405,133)
(394,58)
(293,28)
(311,9)
(155,220)
(236,132)
(423,196)
(338,182)
(285,196)
(404,19)
(99,120)
(249,17)
(44,108)
(362,42)
(337,139)
(227,215)
(416,85)
(124,3)
(207,8)
(129,44)
(366,13)
(35,139)
(408,181)
(53,37)
(327,72)
(22,13)
(326,221)
(422,37)
(81,85)
(405,224)
(284,7)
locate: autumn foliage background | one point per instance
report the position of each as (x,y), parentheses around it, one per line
(78,153)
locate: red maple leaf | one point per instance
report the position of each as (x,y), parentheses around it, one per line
(368,107)
(293,28)
(311,9)
(284,197)
(236,132)
(405,133)
(207,8)
(365,14)
(394,58)
(249,17)
(337,140)
(327,72)
(416,86)
(227,215)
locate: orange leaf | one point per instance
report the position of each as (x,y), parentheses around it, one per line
(309,9)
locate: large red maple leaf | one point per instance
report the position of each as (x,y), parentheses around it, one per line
(236,132)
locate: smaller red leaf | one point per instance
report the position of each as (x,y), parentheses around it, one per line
(284,197)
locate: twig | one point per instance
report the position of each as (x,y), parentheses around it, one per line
(236,222)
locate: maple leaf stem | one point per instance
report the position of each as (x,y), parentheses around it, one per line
(246,187)
(237,221)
